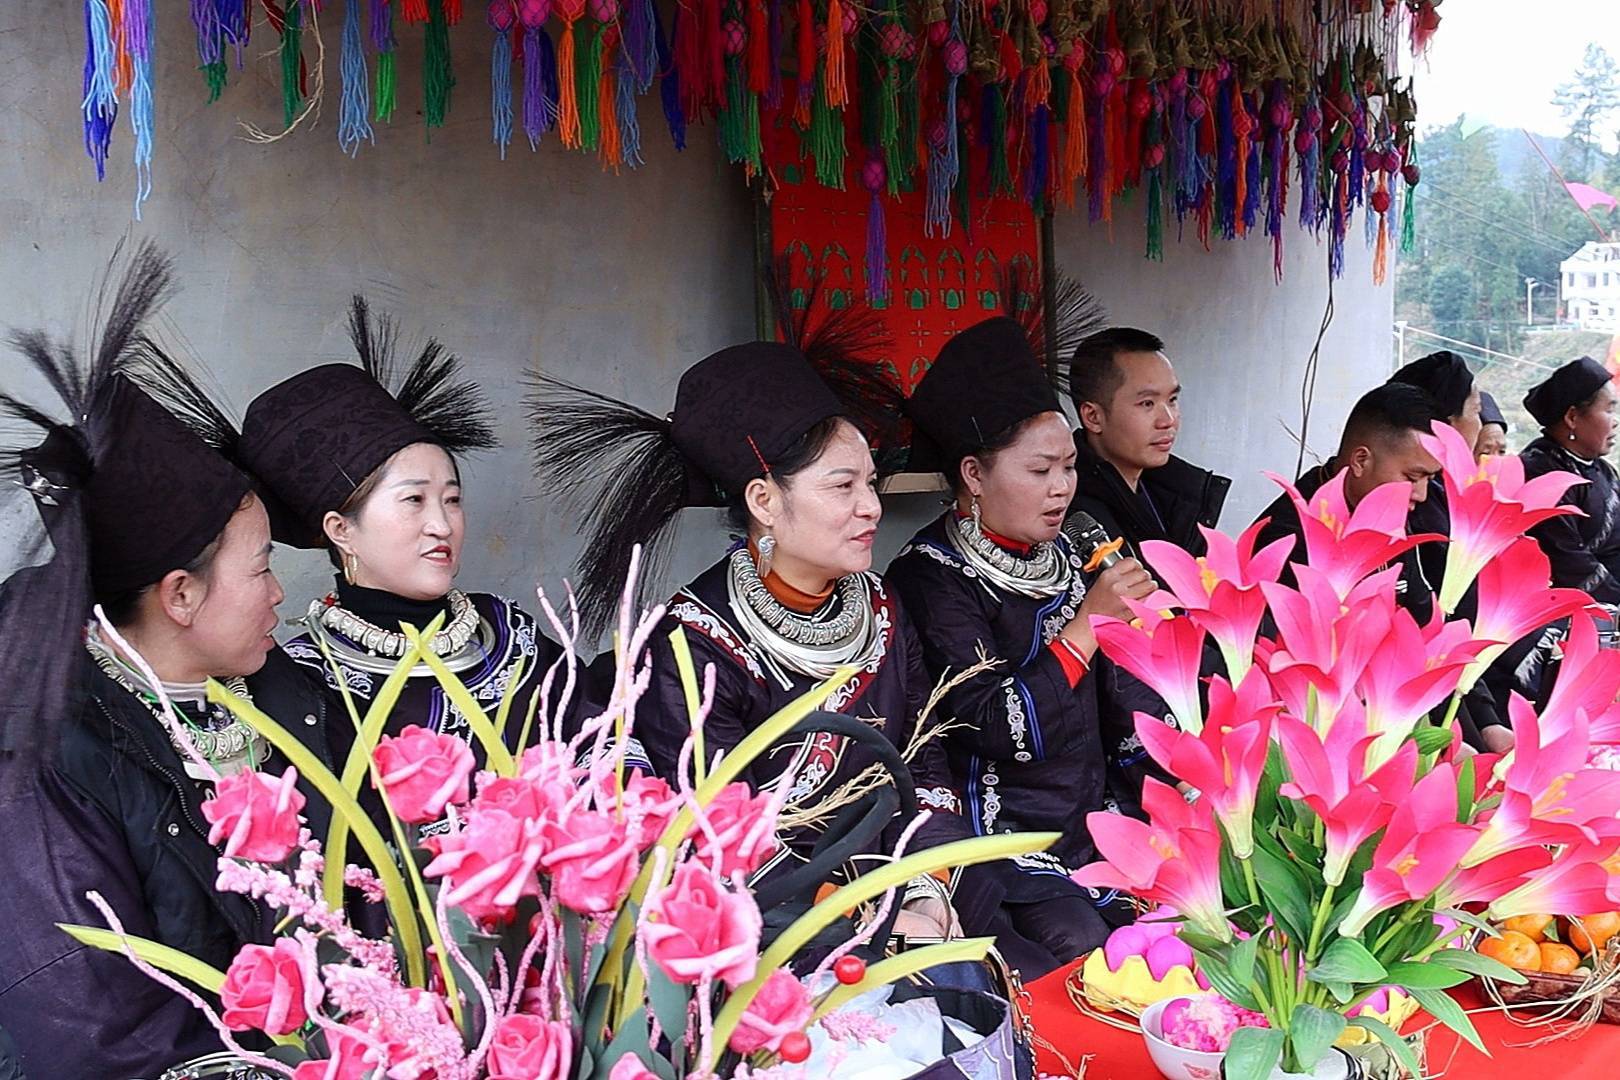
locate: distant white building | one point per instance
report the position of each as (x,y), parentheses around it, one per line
(1590,286)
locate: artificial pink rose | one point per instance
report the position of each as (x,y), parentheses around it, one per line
(347,1059)
(256,815)
(629,1067)
(522,797)
(746,830)
(270,988)
(529,1048)
(547,762)
(422,772)
(781,1007)
(647,802)
(492,862)
(591,861)
(699,928)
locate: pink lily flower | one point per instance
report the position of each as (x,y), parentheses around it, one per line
(1163,650)
(1412,671)
(1346,545)
(1172,858)
(1588,682)
(1584,879)
(1324,642)
(1548,796)
(1491,506)
(1515,599)
(1329,777)
(1484,883)
(1419,850)
(1224,760)
(1220,590)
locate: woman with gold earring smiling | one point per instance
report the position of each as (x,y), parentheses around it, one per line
(371,475)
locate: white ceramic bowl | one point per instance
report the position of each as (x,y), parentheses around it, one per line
(1172,1061)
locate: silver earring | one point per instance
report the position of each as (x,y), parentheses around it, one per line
(975,512)
(767,551)
(1572,436)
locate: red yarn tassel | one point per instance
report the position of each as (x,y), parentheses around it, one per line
(806,37)
(714,55)
(452,11)
(413,11)
(606,96)
(1011,63)
(833,81)
(759,47)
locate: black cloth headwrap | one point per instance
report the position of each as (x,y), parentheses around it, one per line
(125,488)
(1490,412)
(741,409)
(1570,385)
(1444,376)
(311,440)
(985,380)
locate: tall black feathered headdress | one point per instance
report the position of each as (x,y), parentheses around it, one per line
(311,440)
(125,486)
(629,472)
(1076,315)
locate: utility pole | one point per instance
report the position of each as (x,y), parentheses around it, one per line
(1530,284)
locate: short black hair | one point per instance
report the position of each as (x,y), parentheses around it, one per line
(1094,373)
(1387,412)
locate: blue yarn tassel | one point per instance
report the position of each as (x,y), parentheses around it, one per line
(500,90)
(624,111)
(669,88)
(354,123)
(1226,163)
(140,98)
(1039,163)
(773,95)
(100,103)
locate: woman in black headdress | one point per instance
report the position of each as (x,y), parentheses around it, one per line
(361,461)
(759,428)
(1575,407)
(152,524)
(995,577)
(1493,428)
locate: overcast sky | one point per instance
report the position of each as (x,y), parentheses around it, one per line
(1500,60)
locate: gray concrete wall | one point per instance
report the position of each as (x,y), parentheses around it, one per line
(544,262)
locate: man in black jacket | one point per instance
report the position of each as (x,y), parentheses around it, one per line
(1128,400)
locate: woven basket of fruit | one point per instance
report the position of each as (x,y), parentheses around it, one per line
(1569,965)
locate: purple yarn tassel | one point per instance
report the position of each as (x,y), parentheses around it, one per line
(669,87)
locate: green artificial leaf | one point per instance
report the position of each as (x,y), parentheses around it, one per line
(1253,1053)
(1440,1005)
(1241,964)
(1391,1039)
(1235,891)
(1202,942)
(1220,977)
(1285,893)
(1431,740)
(668,1000)
(1465,790)
(1313,1032)
(630,1039)
(287,1055)
(587,1064)
(1479,964)
(1426,976)
(573,930)
(1300,847)
(597,1003)
(1342,991)
(1347,960)
(1468,918)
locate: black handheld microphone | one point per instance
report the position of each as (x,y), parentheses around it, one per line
(1091,541)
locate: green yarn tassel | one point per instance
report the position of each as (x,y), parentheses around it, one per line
(438,77)
(215,74)
(588,83)
(1000,175)
(291,35)
(889,125)
(827,139)
(910,130)
(739,118)
(1408,221)
(385,86)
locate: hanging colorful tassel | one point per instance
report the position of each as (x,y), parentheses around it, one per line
(827,142)
(382,42)
(1075,135)
(438,76)
(138,34)
(292,61)
(805,41)
(502,17)
(100,103)
(833,84)
(994,116)
(773,54)
(354,127)
(759,46)
(1097,157)
(414,11)
(669,86)
(567,91)
(589,73)
(624,108)
(640,47)
(1037,172)
(739,116)
(210,46)
(1308,150)
(611,152)
(877,260)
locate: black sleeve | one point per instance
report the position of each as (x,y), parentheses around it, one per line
(1006,713)
(663,721)
(1574,565)
(73,1010)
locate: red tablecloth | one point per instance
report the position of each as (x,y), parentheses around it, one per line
(1111,1054)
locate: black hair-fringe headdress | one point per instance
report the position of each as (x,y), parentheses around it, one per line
(125,486)
(629,472)
(1076,315)
(312,439)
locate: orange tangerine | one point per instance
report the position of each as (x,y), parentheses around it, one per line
(1592,932)
(1559,959)
(1533,927)
(1513,949)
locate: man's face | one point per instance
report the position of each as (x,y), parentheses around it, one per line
(1492,441)
(1398,459)
(1138,427)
